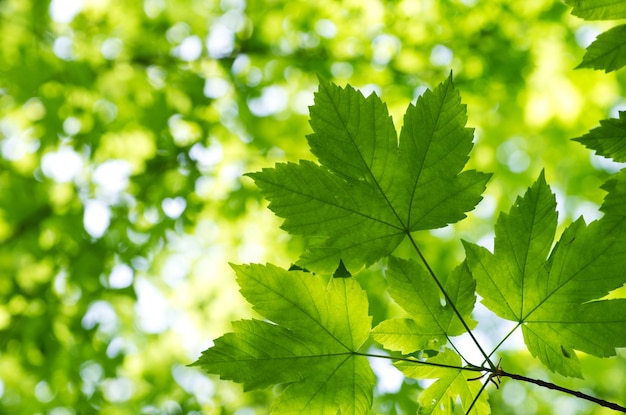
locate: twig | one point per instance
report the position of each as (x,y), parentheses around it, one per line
(549,385)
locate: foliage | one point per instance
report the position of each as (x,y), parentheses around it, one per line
(608,51)
(125,128)
(369,192)
(312,347)
(554,295)
(609,139)
(365,195)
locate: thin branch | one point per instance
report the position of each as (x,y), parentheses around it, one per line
(449,301)
(549,385)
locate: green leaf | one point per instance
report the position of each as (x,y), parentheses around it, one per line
(309,343)
(615,200)
(609,139)
(452,383)
(369,192)
(555,294)
(598,9)
(432,318)
(608,51)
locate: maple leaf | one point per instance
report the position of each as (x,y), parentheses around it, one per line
(555,294)
(609,139)
(598,9)
(608,51)
(308,344)
(452,382)
(430,322)
(369,191)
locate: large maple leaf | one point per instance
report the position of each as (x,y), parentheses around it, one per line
(309,344)
(371,191)
(556,294)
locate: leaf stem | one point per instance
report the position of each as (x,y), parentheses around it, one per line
(552,386)
(482,388)
(449,301)
(470,368)
(503,340)
(457,350)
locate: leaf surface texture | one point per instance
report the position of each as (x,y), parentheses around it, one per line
(556,294)
(608,51)
(431,319)
(609,139)
(308,342)
(598,9)
(369,191)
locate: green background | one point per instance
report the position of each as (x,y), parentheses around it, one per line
(125,128)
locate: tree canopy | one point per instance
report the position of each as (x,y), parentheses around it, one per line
(126,131)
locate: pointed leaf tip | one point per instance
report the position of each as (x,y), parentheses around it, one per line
(555,289)
(342,271)
(369,190)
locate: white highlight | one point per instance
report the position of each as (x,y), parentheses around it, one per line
(273,100)
(63,165)
(121,276)
(175,207)
(151,307)
(97,218)
(189,49)
(64,11)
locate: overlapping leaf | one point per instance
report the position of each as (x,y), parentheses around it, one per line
(609,139)
(432,319)
(452,383)
(555,294)
(598,9)
(309,343)
(615,200)
(369,191)
(608,51)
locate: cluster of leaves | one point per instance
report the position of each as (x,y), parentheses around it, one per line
(117,94)
(370,192)
(608,51)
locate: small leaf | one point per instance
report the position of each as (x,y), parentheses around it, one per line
(598,9)
(608,51)
(451,384)
(406,336)
(609,139)
(615,200)
(414,289)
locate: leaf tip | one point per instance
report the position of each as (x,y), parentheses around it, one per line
(342,271)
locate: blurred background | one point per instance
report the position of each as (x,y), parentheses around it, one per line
(125,128)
